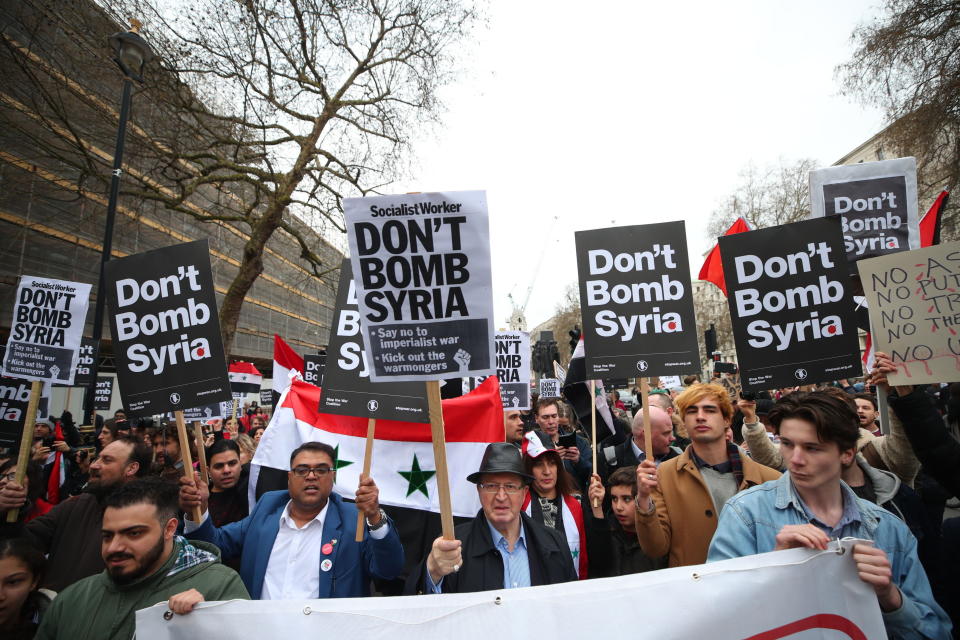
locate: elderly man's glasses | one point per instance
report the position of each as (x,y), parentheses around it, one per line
(494,487)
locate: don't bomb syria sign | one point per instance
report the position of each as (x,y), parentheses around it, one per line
(165,330)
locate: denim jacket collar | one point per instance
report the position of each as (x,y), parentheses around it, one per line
(787,497)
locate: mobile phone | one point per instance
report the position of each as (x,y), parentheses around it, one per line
(567,440)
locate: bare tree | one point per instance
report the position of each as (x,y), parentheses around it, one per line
(567,317)
(907,62)
(263,114)
(766,197)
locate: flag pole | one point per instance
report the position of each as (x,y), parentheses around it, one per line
(201,453)
(367,462)
(26,440)
(440,457)
(644,399)
(185,456)
(593,430)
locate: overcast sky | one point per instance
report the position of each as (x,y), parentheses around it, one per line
(624,113)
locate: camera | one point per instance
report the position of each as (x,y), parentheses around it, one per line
(749,396)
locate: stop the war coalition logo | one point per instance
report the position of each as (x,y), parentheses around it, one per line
(637,305)
(165,330)
(791,309)
(876,203)
(424,289)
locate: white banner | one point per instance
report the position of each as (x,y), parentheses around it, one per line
(800,594)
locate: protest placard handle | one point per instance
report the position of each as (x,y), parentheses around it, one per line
(201,453)
(644,397)
(883,410)
(26,440)
(440,457)
(367,462)
(185,455)
(593,430)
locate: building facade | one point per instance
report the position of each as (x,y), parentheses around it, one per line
(59,108)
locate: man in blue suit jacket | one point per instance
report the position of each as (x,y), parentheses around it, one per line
(301,543)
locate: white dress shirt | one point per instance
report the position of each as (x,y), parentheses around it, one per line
(293,571)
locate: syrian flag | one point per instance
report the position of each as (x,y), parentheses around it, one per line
(285,360)
(577,391)
(244,378)
(712,269)
(403,465)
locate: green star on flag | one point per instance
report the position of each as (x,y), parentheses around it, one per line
(417,478)
(337,462)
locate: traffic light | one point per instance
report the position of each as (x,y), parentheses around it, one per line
(574,337)
(710,340)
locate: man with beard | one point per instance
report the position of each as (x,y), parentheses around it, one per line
(146,563)
(70,532)
(166,451)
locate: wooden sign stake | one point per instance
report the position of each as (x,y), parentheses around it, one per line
(26,440)
(367,462)
(185,456)
(644,399)
(593,430)
(201,453)
(440,457)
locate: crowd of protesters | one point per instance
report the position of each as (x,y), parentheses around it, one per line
(105,530)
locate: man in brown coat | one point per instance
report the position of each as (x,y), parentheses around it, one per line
(679,502)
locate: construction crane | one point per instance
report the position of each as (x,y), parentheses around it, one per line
(518,319)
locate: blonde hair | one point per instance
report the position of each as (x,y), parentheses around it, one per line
(246,443)
(697,392)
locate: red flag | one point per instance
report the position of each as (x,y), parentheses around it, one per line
(53,482)
(930,223)
(712,269)
(284,359)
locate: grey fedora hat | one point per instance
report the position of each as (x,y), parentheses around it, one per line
(501,457)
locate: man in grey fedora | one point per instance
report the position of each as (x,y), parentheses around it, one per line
(502,548)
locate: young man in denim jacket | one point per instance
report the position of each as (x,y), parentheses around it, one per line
(810,505)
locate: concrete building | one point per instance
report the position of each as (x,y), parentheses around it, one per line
(59,103)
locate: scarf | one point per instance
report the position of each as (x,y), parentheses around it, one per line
(573,529)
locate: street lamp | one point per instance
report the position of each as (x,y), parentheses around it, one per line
(131,53)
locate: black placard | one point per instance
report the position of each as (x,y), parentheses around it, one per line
(83,374)
(313,365)
(347,389)
(165,329)
(636,301)
(791,305)
(103,394)
(266,397)
(14,397)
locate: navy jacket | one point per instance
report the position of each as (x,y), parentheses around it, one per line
(252,538)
